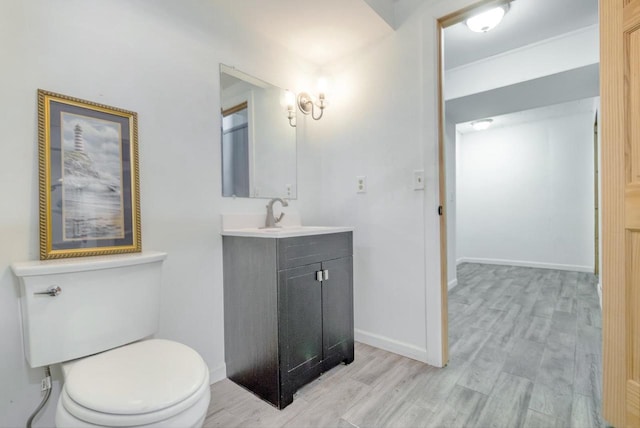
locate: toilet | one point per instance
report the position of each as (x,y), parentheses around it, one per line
(94,316)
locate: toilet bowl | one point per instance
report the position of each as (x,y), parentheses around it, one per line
(94,315)
(152,383)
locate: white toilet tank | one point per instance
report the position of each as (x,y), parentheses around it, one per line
(104,302)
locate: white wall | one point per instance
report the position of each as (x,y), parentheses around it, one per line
(450,170)
(368,130)
(161,60)
(382,123)
(525,193)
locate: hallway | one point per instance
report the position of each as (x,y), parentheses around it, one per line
(525,351)
(531,336)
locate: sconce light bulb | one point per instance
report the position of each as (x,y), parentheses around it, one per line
(323,85)
(289,99)
(321,101)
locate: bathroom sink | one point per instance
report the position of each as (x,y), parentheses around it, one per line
(285,232)
(249,224)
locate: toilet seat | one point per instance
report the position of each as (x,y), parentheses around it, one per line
(142,384)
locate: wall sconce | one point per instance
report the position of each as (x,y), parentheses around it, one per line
(307,105)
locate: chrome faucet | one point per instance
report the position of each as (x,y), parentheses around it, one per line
(271,220)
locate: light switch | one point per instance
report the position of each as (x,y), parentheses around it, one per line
(361,181)
(418,179)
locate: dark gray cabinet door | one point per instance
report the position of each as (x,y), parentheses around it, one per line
(300,327)
(337,311)
(283,327)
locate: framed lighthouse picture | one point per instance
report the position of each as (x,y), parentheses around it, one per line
(88,178)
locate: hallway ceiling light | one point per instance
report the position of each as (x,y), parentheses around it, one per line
(487,20)
(481,125)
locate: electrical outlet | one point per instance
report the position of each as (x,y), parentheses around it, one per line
(288,190)
(418,179)
(361,181)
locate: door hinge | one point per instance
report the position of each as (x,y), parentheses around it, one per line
(440,210)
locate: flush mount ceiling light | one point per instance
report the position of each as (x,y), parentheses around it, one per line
(487,20)
(481,125)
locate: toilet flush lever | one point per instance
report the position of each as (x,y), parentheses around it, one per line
(52,291)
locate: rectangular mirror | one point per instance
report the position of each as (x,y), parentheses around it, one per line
(258,138)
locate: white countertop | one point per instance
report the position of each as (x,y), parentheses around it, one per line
(286,232)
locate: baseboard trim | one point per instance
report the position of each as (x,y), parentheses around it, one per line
(391,345)
(406,350)
(452,284)
(555,266)
(217,374)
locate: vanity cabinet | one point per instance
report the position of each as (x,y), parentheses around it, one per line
(288,305)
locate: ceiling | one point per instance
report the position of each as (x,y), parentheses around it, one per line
(320,32)
(527,21)
(326,31)
(323,32)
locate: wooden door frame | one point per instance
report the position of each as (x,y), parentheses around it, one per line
(621,406)
(442,23)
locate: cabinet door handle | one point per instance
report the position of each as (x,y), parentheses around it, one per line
(319,276)
(52,291)
(326,274)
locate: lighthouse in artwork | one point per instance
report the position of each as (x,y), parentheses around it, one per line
(78,141)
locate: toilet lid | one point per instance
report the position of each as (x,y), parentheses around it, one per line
(139,378)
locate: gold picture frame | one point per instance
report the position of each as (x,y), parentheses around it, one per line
(89,183)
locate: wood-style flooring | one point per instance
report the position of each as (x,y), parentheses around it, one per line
(525,351)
